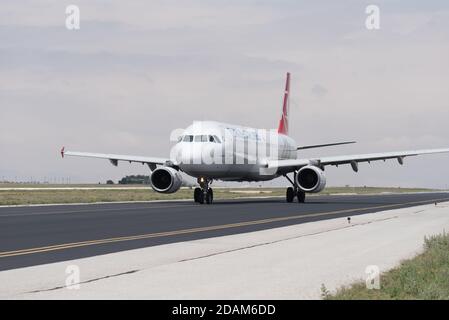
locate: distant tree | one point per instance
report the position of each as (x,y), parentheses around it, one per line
(109,182)
(135,179)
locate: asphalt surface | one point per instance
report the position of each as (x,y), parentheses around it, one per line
(44,234)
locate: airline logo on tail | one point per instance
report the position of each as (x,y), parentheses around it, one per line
(283,123)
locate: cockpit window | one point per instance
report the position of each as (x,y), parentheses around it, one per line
(201,138)
(214,139)
(188,138)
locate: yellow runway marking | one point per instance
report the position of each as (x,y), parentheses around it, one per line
(200,229)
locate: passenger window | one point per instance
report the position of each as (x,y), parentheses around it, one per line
(203,138)
(197,138)
(188,138)
(211,139)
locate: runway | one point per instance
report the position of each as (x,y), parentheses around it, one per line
(44,234)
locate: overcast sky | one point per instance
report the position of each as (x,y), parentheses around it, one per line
(138,69)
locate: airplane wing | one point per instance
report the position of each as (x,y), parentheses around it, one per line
(115,158)
(324,145)
(293,164)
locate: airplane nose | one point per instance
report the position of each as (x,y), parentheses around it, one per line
(204,153)
(198,153)
(211,153)
(189,153)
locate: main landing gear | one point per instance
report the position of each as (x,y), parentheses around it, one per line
(204,193)
(294,191)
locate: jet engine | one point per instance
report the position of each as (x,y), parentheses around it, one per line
(311,179)
(166,180)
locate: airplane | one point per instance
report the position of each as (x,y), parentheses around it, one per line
(210,150)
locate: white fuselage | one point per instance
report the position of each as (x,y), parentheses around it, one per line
(229,152)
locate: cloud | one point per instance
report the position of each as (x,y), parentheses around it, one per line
(137,70)
(319,91)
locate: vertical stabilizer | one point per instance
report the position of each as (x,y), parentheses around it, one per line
(283,123)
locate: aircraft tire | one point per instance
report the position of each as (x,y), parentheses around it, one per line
(290,194)
(301,196)
(209,196)
(197,194)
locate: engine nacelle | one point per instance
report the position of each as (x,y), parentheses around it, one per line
(311,179)
(166,180)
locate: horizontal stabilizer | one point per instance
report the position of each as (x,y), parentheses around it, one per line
(324,145)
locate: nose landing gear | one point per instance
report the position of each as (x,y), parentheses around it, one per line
(294,191)
(204,193)
(290,195)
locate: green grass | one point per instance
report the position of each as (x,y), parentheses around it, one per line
(57,185)
(145,193)
(16,197)
(425,277)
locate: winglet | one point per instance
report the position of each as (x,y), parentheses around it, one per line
(62,152)
(283,123)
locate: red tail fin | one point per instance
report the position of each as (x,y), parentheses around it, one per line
(283,123)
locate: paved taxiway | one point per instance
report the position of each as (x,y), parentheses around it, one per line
(37,235)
